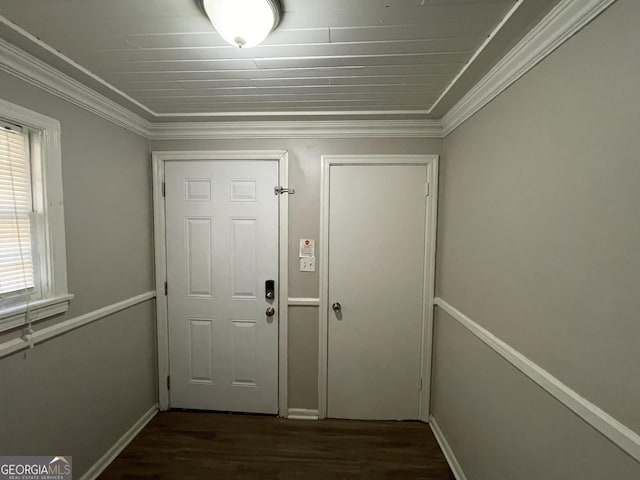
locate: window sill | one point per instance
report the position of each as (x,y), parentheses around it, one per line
(13,317)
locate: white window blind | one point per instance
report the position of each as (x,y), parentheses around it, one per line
(16,257)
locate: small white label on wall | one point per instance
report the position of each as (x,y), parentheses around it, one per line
(308,264)
(307,248)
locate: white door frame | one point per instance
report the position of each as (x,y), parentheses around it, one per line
(431,162)
(159,229)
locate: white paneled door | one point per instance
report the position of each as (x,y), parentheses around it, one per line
(222,245)
(375,290)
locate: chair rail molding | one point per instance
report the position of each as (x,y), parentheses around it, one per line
(622,436)
(303,302)
(17,344)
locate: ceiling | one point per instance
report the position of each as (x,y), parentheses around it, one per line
(334,58)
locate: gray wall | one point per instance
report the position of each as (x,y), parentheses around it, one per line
(502,426)
(304,222)
(539,242)
(78,393)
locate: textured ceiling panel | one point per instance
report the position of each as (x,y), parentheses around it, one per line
(346,56)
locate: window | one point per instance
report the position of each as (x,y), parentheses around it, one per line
(16,253)
(33,276)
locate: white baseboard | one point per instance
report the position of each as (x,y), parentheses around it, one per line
(446,449)
(302,414)
(115,450)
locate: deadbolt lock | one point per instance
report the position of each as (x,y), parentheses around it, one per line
(270,289)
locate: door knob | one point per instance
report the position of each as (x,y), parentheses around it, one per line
(270,312)
(337,307)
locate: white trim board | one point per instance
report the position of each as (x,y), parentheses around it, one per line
(619,434)
(558,26)
(431,162)
(302,414)
(158,159)
(110,455)
(454,465)
(17,344)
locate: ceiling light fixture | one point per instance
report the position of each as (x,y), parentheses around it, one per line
(243,23)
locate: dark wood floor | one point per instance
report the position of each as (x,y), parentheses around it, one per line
(194,445)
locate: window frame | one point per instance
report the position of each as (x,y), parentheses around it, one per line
(46,180)
(11,298)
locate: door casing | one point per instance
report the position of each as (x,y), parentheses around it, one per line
(159,230)
(431,162)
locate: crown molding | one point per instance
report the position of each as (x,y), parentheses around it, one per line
(56,53)
(560,24)
(284,113)
(293,129)
(25,66)
(477,53)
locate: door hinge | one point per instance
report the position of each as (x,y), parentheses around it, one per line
(280,190)
(420,385)
(164,189)
(168,382)
(427,189)
(166,289)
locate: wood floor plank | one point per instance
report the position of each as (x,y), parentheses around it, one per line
(203,445)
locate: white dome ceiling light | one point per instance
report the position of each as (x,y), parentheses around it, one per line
(243,23)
